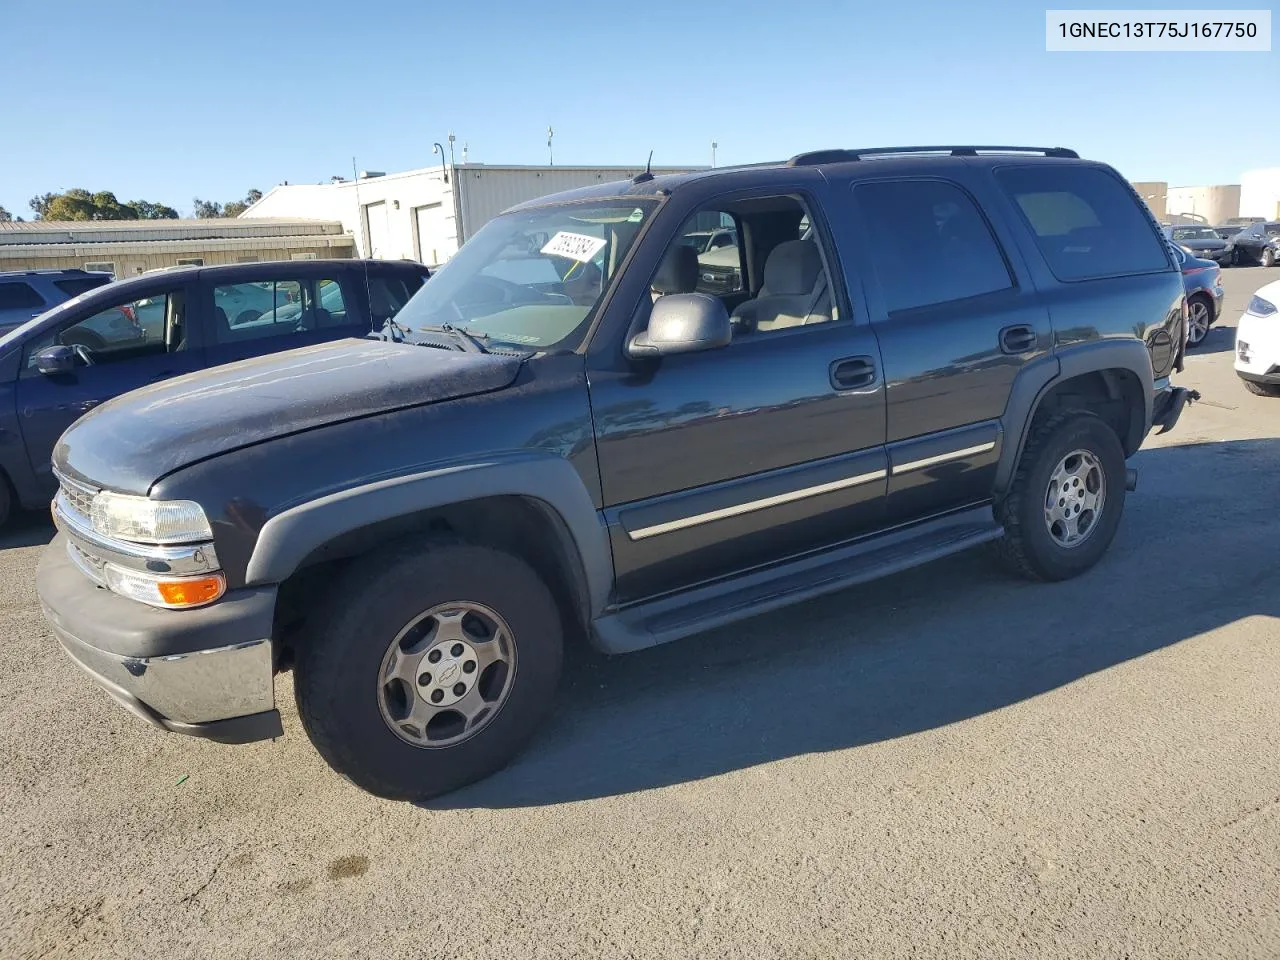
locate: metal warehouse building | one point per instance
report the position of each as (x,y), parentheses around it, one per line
(126,248)
(427,214)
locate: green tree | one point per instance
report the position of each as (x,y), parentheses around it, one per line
(80,204)
(146,210)
(5,215)
(206,209)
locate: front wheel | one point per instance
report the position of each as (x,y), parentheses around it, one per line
(1268,257)
(1065,503)
(432,667)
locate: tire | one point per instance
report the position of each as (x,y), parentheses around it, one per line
(1028,547)
(6,501)
(1261,389)
(1267,258)
(342,700)
(1198,327)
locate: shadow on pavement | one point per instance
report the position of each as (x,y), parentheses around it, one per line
(27,529)
(1219,339)
(916,651)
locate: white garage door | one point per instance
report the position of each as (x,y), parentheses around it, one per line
(435,235)
(379,230)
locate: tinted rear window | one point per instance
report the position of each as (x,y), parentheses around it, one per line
(75,286)
(1087,222)
(16,295)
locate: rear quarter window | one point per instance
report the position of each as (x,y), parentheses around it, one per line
(17,295)
(1087,223)
(75,286)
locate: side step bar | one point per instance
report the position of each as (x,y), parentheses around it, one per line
(726,601)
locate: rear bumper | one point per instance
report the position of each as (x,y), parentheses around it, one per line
(1168,405)
(145,659)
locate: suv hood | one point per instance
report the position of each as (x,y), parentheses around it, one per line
(130,442)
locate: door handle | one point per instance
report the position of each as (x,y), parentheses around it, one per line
(1018,339)
(853,372)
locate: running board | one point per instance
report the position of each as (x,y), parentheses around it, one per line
(675,616)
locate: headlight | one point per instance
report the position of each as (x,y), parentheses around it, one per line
(1260,308)
(141,520)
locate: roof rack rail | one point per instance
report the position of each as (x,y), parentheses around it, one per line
(815,157)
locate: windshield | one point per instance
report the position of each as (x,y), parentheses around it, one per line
(1194,233)
(532,278)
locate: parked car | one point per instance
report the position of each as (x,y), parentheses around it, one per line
(1203,242)
(1258,243)
(145,329)
(704,241)
(28,293)
(1202,280)
(417,524)
(720,271)
(1257,360)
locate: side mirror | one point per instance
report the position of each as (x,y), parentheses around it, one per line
(56,361)
(683,323)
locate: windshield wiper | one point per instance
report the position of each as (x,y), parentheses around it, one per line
(467,341)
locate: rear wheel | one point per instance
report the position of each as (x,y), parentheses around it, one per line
(1262,389)
(432,667)
(1199,319)
(1064,506)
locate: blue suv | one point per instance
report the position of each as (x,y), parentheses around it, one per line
(124,335)
(28,293)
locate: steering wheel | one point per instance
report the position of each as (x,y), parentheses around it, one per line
(83,353)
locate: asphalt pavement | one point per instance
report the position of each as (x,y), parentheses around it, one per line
(948,763)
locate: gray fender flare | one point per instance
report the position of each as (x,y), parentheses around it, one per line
(1037,378)
(290,536)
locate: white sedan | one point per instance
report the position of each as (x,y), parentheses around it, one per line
(1258,342)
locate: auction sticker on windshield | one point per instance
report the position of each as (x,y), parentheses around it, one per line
(575,246)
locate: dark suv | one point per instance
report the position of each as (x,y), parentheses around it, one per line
(28,293)
(134,332)
(958,346)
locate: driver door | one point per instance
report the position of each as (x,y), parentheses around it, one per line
(122,346)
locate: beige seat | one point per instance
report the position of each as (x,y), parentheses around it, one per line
(794,292)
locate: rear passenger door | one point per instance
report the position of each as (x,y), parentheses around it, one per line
(278,312)
(956,317)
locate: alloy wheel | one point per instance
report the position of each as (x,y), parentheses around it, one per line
(447,674)
(1075,498)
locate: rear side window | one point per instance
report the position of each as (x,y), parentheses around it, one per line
(387,295)
(78,285)
(16,295)
(929,242)
(1087,223)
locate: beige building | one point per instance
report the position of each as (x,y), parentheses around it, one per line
(1154,194)
(126,248)
(1215,204)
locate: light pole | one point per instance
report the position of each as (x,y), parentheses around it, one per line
(436,148)
(713,152)
(451,138)
(551,157)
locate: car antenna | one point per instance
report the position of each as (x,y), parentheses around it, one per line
(648,171)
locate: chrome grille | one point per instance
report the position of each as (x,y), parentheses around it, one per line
(76,497)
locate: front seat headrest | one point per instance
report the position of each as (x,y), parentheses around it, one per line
(792,269)
(678,272)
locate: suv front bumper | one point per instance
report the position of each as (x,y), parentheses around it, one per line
(205,672)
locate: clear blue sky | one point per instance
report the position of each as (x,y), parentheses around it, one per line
(166,101)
